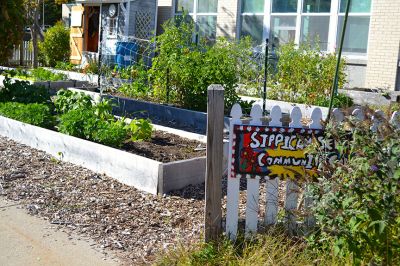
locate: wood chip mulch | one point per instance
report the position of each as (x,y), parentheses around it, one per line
(134,224)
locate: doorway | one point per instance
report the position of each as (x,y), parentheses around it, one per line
(92,29)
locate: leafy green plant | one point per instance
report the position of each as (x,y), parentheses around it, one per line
(304,74)
(182,69)
(84,123)
(110,133)
(67,100)
(357,204)
(23,92)
(65,65)
(140,129)
(41,74)
(341,100)
(34,113)
(56,45)
(103,109)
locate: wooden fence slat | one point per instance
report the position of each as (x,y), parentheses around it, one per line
(272,184)
(395,119)
(232,204)
(291,187)
(214,170)
(253,183)
(358,114)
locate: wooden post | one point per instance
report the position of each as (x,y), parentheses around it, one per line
(214,168)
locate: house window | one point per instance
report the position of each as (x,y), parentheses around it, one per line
(112,27)
(318,22)
(252,19)
(357,29)
(204,14)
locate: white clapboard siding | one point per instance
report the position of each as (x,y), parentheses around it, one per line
(232,205)
(292,192)
(272,184)
(253,183)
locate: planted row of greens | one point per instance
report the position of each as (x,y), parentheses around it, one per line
(182,70)
(37,74)
(71,113)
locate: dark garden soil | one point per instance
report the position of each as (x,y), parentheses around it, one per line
(165,147)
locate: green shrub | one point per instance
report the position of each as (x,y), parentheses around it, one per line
(84,123)
(67,100)
(139,85)
(23,92)
(357,198)
(341,100)
(110,133)
(65,66)
(187,68)
(33,113)
(56,45)
(41,74)
(140,129)
(304,74)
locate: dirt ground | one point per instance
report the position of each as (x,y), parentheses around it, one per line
(27,240)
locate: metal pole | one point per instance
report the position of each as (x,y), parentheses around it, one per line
(43,17)
(336,80)
(265,75)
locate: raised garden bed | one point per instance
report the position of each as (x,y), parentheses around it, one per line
(162,114)
(153,176)
(54,85)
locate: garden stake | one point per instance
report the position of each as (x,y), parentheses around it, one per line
(265,75)
(334,90)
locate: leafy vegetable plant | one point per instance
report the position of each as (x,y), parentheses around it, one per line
(23,92)
(67,100)
(33,113)
(140,129)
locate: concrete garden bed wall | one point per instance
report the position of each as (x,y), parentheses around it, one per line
(53,85)
(182,118)
(134,170)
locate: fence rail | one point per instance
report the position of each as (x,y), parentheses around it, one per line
(22,55)
(293,203)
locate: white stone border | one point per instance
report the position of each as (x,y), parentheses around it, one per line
(134,170)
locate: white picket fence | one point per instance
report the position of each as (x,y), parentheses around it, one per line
(27,54)
(293,191)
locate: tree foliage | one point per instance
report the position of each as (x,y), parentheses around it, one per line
(11,26)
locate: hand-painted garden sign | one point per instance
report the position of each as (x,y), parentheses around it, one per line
(274,151)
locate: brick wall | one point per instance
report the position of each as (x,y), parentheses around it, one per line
(226,21)
(384,44)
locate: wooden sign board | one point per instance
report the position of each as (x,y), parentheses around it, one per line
(274,151)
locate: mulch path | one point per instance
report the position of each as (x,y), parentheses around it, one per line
(135,224)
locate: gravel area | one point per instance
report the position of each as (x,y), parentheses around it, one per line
(133,223)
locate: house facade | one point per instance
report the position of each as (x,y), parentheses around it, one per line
(371,46)
(102,27)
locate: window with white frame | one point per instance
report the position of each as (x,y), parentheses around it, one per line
(204,14)
(316,21)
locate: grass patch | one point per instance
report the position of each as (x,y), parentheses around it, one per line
(272,248)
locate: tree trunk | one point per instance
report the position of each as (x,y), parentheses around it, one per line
(34,31)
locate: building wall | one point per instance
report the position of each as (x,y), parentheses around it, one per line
(165,12)
(227,18)
(384,41)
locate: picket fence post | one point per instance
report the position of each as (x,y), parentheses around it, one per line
(214,168)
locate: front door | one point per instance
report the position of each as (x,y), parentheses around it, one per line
(92,19)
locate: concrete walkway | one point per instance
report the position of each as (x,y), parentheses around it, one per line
(27,240)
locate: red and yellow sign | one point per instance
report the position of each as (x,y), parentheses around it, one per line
(274,151)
